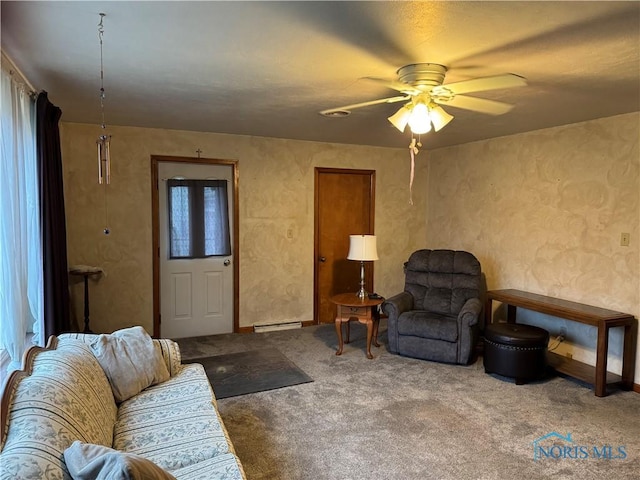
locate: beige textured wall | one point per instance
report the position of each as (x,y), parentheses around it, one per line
(276,190)
(543,211)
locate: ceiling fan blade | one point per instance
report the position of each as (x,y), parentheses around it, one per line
(364,104)
(481,105)
(508,80)
(399,86)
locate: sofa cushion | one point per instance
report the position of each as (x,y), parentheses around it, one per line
(130,360)
(169,349)
(225,466)
(418,323)
(174,424)
(67,397)
(86,461)
(170,352)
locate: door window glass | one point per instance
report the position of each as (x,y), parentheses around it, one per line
(198,218)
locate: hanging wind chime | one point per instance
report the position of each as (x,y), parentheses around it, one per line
(104,140)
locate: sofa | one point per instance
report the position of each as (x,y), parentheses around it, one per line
(63,403)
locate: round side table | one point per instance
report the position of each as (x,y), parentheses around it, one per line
(364,310)
(86,272)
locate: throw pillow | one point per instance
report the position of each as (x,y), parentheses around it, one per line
(86,461)
(130,361)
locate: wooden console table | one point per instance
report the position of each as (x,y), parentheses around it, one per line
(601,318)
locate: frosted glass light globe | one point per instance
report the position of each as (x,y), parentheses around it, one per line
(419,121)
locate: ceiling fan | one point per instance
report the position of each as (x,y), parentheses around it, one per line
(421,85)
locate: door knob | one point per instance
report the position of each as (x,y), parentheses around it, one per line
(227,262)
(323,259)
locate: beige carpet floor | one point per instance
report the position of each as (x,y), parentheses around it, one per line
(400,418)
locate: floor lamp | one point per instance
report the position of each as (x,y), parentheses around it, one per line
(363,249)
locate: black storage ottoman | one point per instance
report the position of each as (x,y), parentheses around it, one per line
(515,350)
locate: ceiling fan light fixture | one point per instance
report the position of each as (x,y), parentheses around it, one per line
(423,90)
(419,120)
(439,118)
(400,118)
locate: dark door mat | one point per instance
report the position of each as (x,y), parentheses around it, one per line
(254,371)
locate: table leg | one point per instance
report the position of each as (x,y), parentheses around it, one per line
(601,361)
(488,312)
(376,325)
(369,336)
(339,332)
(511,314)
(629,354)
(86,305)
(348,331)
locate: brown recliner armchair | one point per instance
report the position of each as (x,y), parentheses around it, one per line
(436,317)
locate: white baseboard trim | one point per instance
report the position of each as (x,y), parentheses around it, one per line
(272,326)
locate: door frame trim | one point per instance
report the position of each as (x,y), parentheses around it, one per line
(155,231)
(316,241)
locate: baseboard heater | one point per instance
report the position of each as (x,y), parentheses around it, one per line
(272,327)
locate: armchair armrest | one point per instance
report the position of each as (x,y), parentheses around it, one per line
(393,307)
(470,312)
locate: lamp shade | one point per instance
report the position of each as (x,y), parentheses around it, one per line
(362,247)
(439,117)
(400,118)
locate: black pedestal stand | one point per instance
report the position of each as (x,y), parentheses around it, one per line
(86,272)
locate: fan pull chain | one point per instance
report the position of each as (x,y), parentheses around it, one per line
(413,151)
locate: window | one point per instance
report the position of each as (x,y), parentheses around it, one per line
(21,277)
(198,218)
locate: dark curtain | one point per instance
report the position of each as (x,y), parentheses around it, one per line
(54,232)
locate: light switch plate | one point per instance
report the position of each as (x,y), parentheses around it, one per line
(624,239)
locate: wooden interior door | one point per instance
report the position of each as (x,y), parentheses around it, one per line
(344,205)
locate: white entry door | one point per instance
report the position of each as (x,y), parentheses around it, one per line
(196,294)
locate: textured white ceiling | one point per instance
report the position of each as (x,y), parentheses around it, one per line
(268,68)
